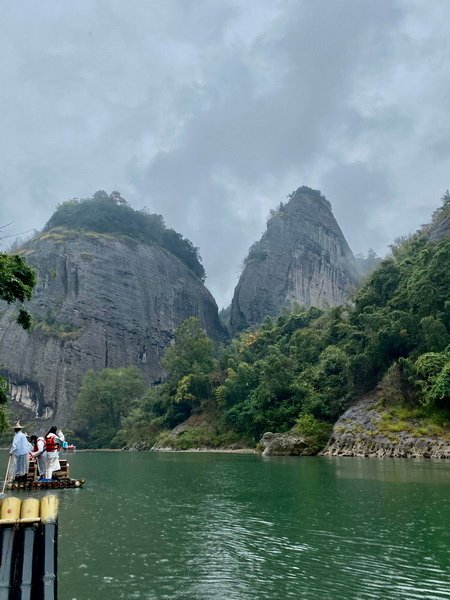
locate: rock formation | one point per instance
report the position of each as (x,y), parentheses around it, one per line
(302,258)
(101,301)
(284,444)
(359,432)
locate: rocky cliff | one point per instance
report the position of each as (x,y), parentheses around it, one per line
(101,301)
(302,258)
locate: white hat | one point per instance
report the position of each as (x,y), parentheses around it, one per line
(17,426)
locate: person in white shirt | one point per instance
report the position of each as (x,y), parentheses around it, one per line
(20,453)
(53,441)
(38,453)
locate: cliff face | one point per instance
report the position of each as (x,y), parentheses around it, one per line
(100,302)
(302,258)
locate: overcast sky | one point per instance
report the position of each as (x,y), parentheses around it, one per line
(211,111)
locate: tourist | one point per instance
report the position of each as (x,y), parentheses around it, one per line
(52,445)
(38,453)
(20,457)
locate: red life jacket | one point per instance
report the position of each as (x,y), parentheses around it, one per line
(50,444)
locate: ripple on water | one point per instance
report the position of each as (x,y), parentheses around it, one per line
(239,528)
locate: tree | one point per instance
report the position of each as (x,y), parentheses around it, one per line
(17,280)
(433,371)
(104,399)
(190,353)
(189,363)
(367,264)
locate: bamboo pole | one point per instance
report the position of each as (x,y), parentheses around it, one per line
(6,475)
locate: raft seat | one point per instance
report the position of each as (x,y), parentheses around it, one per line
(63,473)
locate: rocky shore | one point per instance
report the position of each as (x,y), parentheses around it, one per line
(284,444)
(367,429)
(360,432)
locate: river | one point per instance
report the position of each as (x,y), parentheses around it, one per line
(200,526)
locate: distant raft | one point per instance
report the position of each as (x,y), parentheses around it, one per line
(61,479)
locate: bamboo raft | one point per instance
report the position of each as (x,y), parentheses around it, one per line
(61,479)
(29,548)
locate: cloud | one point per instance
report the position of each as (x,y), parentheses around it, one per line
(210,113)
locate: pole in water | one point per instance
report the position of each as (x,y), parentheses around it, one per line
(6,476)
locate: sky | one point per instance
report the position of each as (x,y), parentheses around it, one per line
(210,112)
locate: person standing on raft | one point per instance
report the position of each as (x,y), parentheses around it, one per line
(20,449)
(52,445)
(38,453)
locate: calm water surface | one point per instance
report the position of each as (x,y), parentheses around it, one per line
(239,527)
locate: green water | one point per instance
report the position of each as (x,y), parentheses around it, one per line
(239,527)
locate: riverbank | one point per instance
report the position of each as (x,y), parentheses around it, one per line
(369,429)
(209,450)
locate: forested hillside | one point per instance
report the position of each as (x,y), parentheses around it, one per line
(305,368)
(111,214)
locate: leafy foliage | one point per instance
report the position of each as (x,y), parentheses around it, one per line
(17,280)
(315,432)
(302,370)
(103,401)
(111,214)
(433,372)
(191,352)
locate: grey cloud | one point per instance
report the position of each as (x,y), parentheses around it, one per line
(211,112)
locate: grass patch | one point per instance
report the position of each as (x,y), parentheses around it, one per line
(407,412)
(62,234)
(415,421)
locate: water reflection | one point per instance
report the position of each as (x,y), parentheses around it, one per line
(393,470)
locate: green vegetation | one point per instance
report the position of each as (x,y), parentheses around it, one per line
(301,370)
(315,432)
(17,281)
(110,214)
(50,326)
(103,401)
(199,438)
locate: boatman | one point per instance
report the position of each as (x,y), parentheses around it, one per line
(20,457)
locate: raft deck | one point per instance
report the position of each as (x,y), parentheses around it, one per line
(61,479)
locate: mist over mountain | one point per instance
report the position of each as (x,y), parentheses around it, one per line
(206,112)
